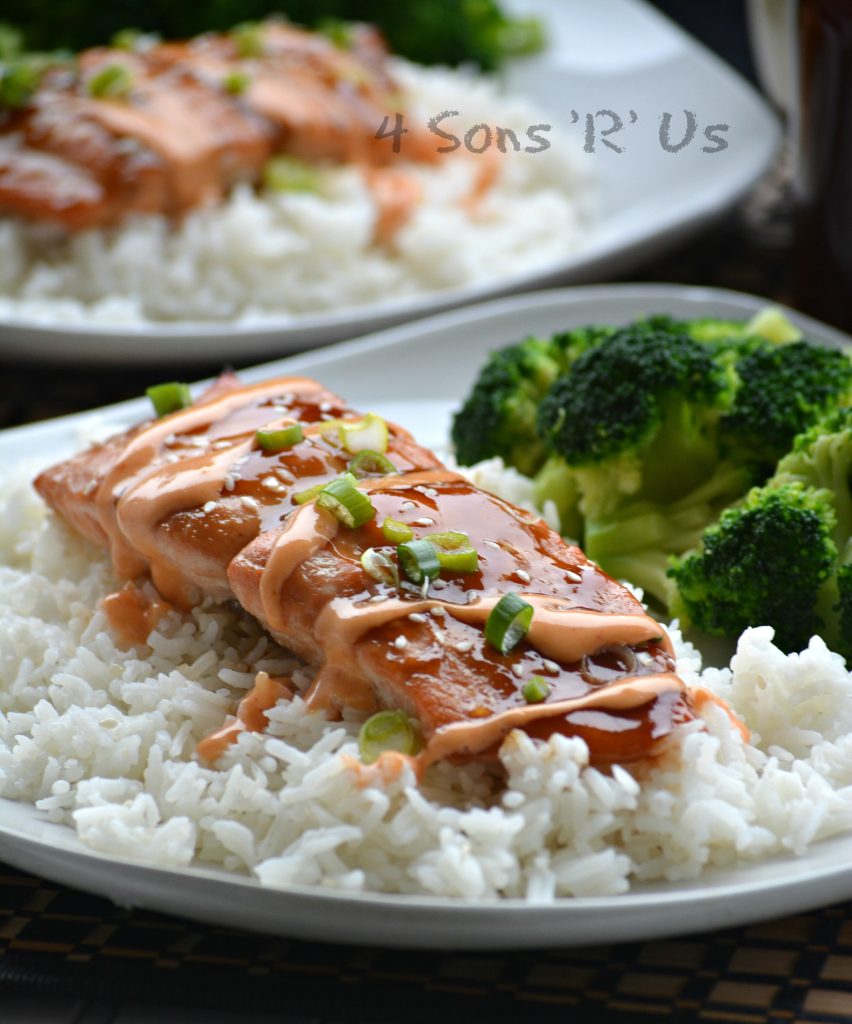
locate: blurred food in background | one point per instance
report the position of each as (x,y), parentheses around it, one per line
(429,31)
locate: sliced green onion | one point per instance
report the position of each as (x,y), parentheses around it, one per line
(368,434)
(303,497)
(345,502)
(387,730)
(418,559)
(236,82)
(287,174)
(536,690)
(378,565)
(339,32)
(279,439)
(20,78)
(248,38)
(134,40)
(112,82)
(169,397)
(455,552)
(509,622)
(397,532)
(370,463)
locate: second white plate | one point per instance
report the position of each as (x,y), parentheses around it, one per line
(612,55)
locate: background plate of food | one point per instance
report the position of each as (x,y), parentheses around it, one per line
(165,202)
(744,816)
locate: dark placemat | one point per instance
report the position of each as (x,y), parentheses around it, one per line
(56,940)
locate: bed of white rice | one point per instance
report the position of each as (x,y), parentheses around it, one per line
(102,739)
(262,255)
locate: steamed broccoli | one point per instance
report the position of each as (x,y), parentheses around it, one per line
(499,415)
(782,557)
(633,429)
(782,390)
(660,427)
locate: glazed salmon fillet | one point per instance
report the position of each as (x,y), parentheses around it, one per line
(182,123)
(195,502)
(177,498)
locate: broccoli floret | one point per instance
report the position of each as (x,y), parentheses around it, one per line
(783,389)
(499,415)
(782,557)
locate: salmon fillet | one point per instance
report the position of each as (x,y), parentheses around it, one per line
(192,120)
(194,502)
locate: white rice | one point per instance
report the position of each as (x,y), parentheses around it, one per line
(276,255)
(102,740)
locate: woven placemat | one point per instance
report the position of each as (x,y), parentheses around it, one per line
(57,940)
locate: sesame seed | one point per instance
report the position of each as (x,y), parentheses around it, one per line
(550,666)
(230,481)
(472,597)
(170,438)
(464,646)
(400,643)
(325,407)
(423,521)
(406,506)
(209,506)
(220,445)
(439,584)
(491,544)
(417,617)
(523,576)
(430,492)
(272,483)
(573,577)
(376,598)
(438,611)
(518,670)
(248,501)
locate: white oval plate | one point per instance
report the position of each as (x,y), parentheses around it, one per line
(417,374)
(615,54)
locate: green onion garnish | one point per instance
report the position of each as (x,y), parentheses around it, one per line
(368,434)
(170,397)
(134,40)
(287,174)
(112,82)
(418,559)
(339,32)
(508,622)
(370,463)
(303,497)
(345,502)
(236,82)
(387,730)
(248,38)
(20,78)
(455,551)
(536,690)
(279,439)
(397,532)
(378,565)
